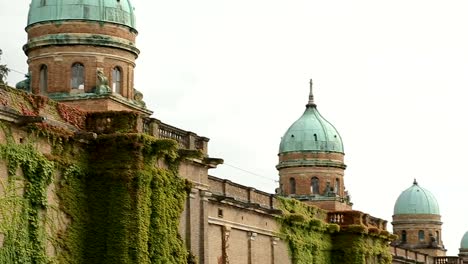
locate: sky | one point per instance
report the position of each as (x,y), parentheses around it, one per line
(391,76)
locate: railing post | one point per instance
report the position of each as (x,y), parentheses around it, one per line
(191,140)
(154,127)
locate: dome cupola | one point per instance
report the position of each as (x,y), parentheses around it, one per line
(111,11)
(83,51)
(416,200)
(311,132)
(464,242)
(417,222)
(311,162)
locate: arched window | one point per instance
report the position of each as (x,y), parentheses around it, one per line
(77,76)
(116,80)
(314,186)
(421,235)
(292,186)
(437,237)
(337,186)
(43,76)
(403,236)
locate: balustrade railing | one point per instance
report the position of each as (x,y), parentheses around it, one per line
(447,260)
(346,218)
(170,132)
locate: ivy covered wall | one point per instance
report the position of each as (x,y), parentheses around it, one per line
(119,206)
(313,241)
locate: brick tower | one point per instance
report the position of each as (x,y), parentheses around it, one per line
(417,221)
(311,166)
(83,53)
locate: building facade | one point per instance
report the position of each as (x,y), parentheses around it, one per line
(87,176)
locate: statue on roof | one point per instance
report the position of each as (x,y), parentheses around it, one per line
(102,84)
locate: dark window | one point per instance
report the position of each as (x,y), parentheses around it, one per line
(43,2)
(403,236)
(116,80)
(437,237)
(421,235)
(314,186)
(337,186)
(43,79)
(77,80)
(315,137)
(292,186)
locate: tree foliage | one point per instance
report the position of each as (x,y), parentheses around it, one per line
(3,70)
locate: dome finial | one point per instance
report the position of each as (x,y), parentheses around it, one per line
(415,182)
(311,96)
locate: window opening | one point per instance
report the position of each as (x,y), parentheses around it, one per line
(421,235)
(337,186)
(43,79)
(77,80)
(403,236)
(314,187)
(292,186)
(116,80)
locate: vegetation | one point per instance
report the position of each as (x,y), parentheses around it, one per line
(3,70)
(118,205)
(313,241)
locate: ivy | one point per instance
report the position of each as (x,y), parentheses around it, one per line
(23,230)
(313,241)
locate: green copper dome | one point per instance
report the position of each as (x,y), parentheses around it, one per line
(114,11)
(464,242)
(311,132)
(416,200)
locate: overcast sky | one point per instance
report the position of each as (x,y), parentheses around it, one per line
(391,76)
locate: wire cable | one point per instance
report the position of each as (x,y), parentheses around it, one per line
(249,172)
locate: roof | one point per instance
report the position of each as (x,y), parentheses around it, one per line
(464,241)
(311,132)
(416,200)
(114,11)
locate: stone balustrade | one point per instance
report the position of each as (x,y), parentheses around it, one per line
(447,260)
(248,196)
(185,139)
(347,218)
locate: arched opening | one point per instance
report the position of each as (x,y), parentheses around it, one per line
(337,186)
(77,76)
(43,76)
(314,186)
(292,186)
(315,137)
(116,80)
(403,236)
(421,235)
